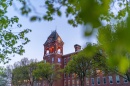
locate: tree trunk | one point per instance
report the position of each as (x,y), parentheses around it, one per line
(42,83)
(50,84)
(31,83)
(82,80)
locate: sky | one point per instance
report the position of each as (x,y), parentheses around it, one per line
(41,30)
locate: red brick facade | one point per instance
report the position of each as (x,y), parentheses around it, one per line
(53,53)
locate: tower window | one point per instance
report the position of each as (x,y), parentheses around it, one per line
(47,52)
(59,51)
(59,60)
(52,59)
(51,50)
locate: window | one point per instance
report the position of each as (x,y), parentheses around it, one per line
(52,59)
(125,79)
(77,82)
(47,52)
(73,75)
(73,82)
(110,79)
(64,75)
(104,80)
(98,80)
(87,81)
(68,58)
(45,61)
(59,51)
(117,79)
(64,60)
(65,83)
(69,75)
(59,60)
(92,81)
(68,82)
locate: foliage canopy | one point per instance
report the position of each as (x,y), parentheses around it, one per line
(110,14)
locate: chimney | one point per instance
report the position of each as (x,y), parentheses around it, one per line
(77,47)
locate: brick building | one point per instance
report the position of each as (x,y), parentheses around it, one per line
(53,53)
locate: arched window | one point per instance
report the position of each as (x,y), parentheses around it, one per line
(52,49)
(59,51)
(47,52)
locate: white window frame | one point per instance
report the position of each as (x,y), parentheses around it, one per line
(87,81)
(125,79)
(73,82)
(117,79)
(64,82)
(98,80)
(59,51)
(110,79)
(104,79)
(52,59)
(77,82)
(47,52)
(59,60)
(68,82)
(92,81)
(69,75)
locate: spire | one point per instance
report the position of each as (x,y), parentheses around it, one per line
(53,37)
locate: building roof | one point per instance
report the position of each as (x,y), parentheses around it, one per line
(54,36)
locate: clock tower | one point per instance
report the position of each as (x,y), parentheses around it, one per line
(53,48)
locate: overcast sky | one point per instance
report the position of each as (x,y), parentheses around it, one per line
(40,32)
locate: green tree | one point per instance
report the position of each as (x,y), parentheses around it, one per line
(20,75)
(3,77)
(31,67)
(109,14)
(10,41)
(48,72)
(99,14)
(86,65)
(22,72)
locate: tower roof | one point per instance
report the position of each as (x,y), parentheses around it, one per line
(53,37)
